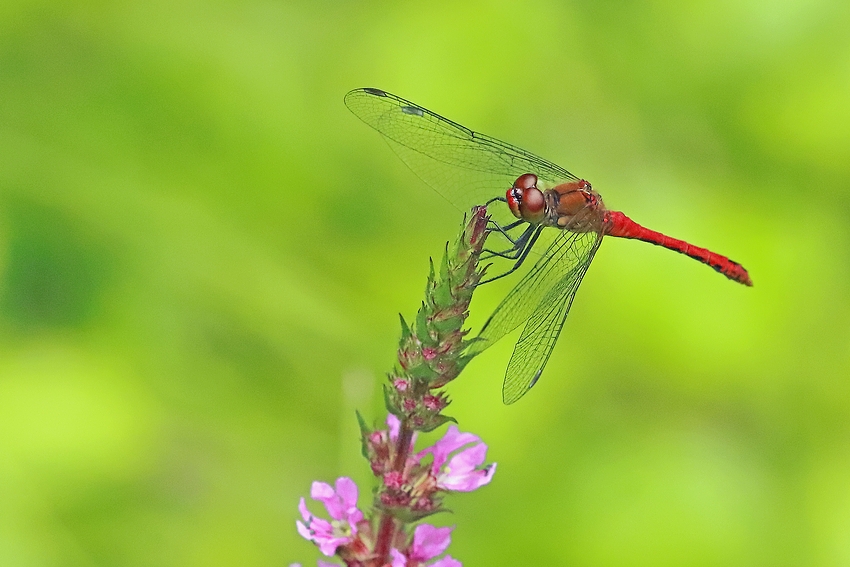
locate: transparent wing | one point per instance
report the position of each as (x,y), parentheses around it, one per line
(539,336)
(465,167)
(468,168)
(541,300)
(561,262)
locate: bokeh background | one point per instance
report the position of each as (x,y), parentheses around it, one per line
(203,255)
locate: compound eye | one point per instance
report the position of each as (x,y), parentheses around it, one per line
(526,181)
(514,197)
(533,204)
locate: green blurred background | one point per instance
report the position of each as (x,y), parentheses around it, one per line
(203,254)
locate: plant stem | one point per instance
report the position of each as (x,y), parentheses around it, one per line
(430,356)
(387,526)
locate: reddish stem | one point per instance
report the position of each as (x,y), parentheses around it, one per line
(405,434)
(387,526)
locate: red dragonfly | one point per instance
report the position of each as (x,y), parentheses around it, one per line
(469,169)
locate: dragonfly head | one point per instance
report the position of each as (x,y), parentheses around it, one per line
(525,200)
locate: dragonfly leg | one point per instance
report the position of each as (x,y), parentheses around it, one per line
(526,246)
(493,226)
(517,244)
(505,229)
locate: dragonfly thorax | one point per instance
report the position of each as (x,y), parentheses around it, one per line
(575,206)
(572,206)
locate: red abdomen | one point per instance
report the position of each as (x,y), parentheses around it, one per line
(619,225)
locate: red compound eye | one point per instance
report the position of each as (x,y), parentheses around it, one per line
(526,181)
(532,204)
(525,200)
(514,197)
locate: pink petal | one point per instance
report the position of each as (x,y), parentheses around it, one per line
(399,560)
(429,542)
(455,439)
(305,513)
(303,531)
(469,458)
(393,424)
(467,482)
(341,502)
(328,546)
(450,442)
(321,491)
(342,507)
(463,471)
(447,561)
(320,527)
(347,491)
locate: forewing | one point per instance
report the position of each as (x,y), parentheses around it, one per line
(465,167)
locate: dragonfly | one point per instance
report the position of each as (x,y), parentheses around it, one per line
(541,205)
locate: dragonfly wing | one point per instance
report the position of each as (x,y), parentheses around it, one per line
(465,167)
(468,168)
(540,334)
(541,300)
(564,260)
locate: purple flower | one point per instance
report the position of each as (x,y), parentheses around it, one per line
(461,472)
(428,543)
(341,505)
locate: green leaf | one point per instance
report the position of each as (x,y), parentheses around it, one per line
(430,281)
(448,325)
(364,434)
(405,330)
(422,326)
(443,295)
(408,516)
(462,361)
(436,422)
(422,372)
(388,402)
(473,342)
(444,266)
